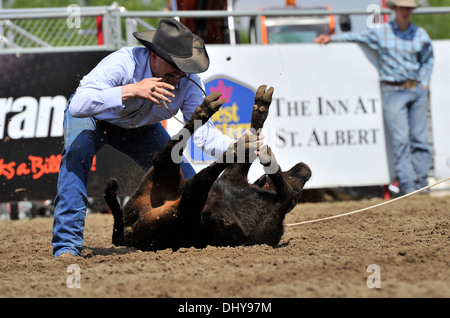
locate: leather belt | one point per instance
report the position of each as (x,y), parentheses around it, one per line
(409,84)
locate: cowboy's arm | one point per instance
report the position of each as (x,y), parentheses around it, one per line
(101,90)
(211,140)
(367,36)
(111,83)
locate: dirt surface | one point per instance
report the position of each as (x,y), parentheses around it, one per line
(408,240)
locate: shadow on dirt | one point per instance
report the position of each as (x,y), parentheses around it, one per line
(89,251)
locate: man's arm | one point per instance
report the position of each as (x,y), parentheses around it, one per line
(110,84)
(368,37)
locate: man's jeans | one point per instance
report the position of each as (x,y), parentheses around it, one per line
(83,139)
(406,119)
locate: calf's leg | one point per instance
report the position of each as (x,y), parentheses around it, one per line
(113,202)
(167,185)
(239,170)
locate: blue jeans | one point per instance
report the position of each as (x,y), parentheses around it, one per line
(406,119)
(83,139)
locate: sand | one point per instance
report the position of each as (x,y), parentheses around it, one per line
(399,250)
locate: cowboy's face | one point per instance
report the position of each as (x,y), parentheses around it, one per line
(403,13)
(169,73)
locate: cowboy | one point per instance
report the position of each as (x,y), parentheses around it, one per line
(405,64)
(122,102)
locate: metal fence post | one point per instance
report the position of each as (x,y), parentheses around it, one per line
(130,27)
(112,27)
(258,29)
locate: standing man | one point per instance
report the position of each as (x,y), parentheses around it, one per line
(406,62)
(119,103)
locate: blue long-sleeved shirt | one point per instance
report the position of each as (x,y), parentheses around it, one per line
(99,95)
(402,56)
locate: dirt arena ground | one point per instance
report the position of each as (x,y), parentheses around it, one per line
(408,241)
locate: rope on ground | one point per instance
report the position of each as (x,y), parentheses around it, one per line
(370,207)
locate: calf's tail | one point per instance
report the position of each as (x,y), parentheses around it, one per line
(112,201)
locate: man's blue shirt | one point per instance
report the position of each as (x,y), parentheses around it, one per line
(406,55)
(100,95)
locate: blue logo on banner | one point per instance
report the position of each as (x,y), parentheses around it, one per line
(233,117)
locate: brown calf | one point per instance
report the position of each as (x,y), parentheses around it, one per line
(217,206)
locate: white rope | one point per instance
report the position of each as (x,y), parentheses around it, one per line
(173,115)
(370,207)
(165,105)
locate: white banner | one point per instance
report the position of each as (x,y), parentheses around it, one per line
(326,109)
(323,112)
(440,109)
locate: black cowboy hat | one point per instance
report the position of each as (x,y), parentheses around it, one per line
(177,45)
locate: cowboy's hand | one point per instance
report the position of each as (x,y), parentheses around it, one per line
(322,39)
(257,139)
(243,149)
(152,89)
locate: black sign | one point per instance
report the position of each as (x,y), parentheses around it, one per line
(33,95)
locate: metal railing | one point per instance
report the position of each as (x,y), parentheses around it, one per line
(60,29)
(101,28)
